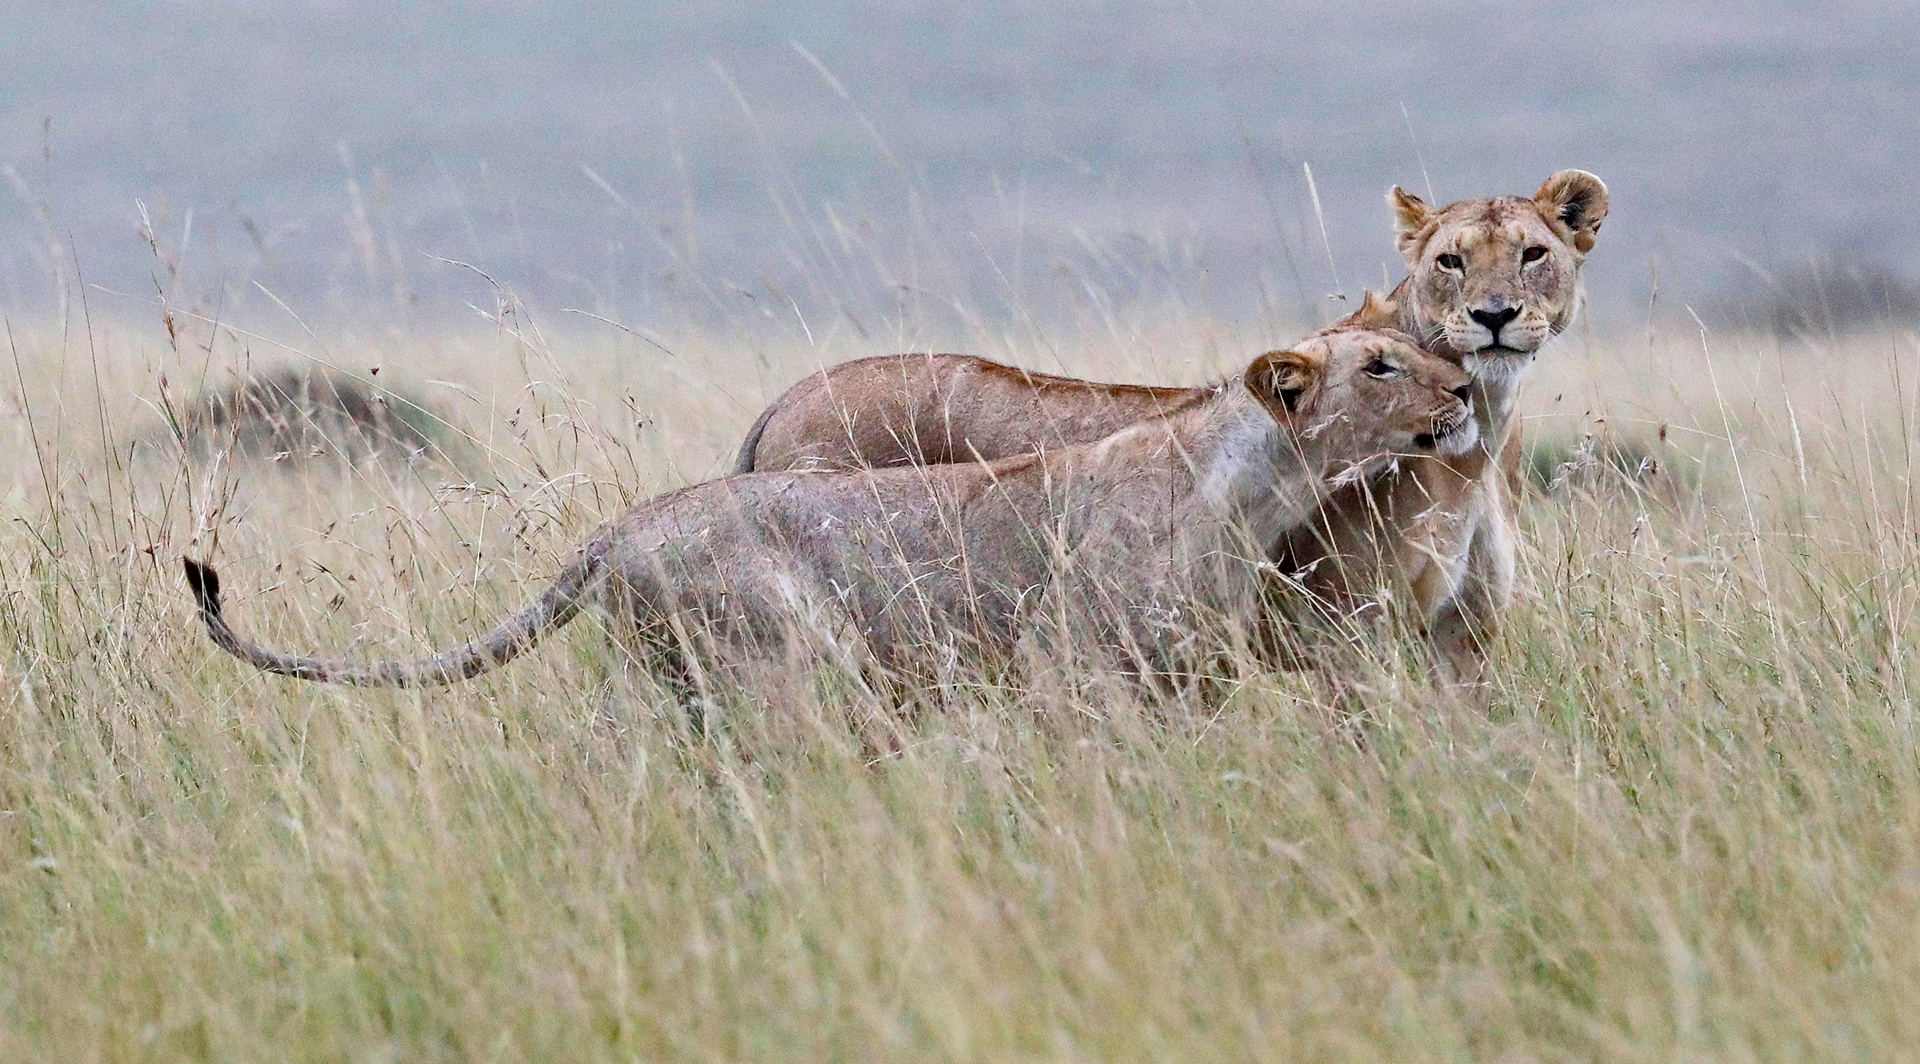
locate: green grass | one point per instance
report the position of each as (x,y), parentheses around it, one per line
(1683,828)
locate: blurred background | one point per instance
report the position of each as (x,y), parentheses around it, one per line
(656,163)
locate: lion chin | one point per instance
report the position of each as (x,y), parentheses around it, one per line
(1497,367)
(1456,438)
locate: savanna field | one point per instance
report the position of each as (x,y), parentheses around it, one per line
(1685,826)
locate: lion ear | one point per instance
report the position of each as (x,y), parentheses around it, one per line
(1577,200)
(1410,217)
(1377,312)
(1280,379)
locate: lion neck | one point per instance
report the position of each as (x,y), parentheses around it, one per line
(1247,468)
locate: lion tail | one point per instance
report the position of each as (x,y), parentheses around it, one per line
(750,447)
(560,603)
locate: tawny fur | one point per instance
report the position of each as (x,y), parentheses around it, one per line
(954,558)
(1439,531)
(897,410)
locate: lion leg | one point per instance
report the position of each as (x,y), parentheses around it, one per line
(1463,627)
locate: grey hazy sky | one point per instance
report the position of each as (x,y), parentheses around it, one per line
(327,149)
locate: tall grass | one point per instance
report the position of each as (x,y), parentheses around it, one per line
(1683,828)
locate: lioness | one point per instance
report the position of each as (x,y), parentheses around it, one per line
(1489,282)
(953,556)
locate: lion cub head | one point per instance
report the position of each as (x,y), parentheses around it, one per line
(1358,392)
(1491,280)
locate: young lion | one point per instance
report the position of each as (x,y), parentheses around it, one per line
(1490,281)
(952,557)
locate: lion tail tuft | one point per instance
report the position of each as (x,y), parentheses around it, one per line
(204,581)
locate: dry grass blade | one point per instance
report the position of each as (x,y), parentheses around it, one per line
(1672,834)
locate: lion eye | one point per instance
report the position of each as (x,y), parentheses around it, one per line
(1380,367)
(1450,261)
(1533,254)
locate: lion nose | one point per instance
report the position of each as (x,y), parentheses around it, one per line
(1464,393)
(1494,319)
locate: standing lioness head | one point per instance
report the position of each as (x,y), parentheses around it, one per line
(1490,280)
(1367,392)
